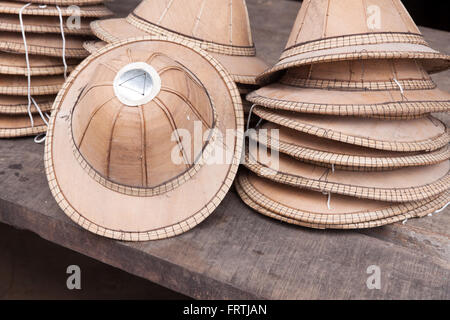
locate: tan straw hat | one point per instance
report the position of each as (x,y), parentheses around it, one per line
(298,218)
(13,126)
(113,128)
(328,31)
(313,208)
(43,24)
(64,2)
(43,44)
(423,134)
(399,185)
(92,46)
(19,105)
(220,27)
(15,64)
(41,85)
(39,10)
(343,156)
(367,88)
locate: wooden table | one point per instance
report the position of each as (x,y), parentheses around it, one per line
(236,253)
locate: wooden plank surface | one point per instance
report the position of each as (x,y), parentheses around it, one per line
(236,253)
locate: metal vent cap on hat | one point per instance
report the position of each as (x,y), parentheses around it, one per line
(149,96)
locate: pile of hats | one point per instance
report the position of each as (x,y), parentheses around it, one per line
(351,142)
(41,41)
(222,28)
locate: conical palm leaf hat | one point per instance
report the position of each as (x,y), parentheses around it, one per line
(122,124)
(16,64)
(399,185)
(37,9)
(13,126)
(422,134)
(40,85)
(43,24)
(220,27)
(309,209)
(342,156)
(64,2)
(367,88)
(328,30)
(19,104)
(43,44)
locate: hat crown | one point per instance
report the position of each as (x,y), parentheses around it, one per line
(142,143)
(200,19)
(323,19)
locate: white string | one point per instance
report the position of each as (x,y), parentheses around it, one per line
(61,25)
(405,221)
(329,199)
(440,210)
(332,167)
(399,85)
(250,116)
(44,116)
(40,138)
(28,62)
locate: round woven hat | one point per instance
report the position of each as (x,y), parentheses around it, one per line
(424,134)
(64,2)
(422,211)
(129,124)
(93,46)
(328,31)
(19,105)
(343,156)
(43,44)
(399,185)
(13,126)
(43,24)
(220,27)
(39,10)
(41,85)
(312,207)
(15,64)
(368,88)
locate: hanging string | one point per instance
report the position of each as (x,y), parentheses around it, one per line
(442,209)
(45,117)
(250,117)
(325,176)
(401,88)
(61,26)
(28,62)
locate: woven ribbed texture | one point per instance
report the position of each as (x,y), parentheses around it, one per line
(13,126)
(41,24)
(302,175)
(307,124)
(34,10)
(326,153)
(18,105)
(64,2)
(351,222)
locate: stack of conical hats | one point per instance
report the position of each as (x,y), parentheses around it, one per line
(351,142)
(221,27)
(37,28)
